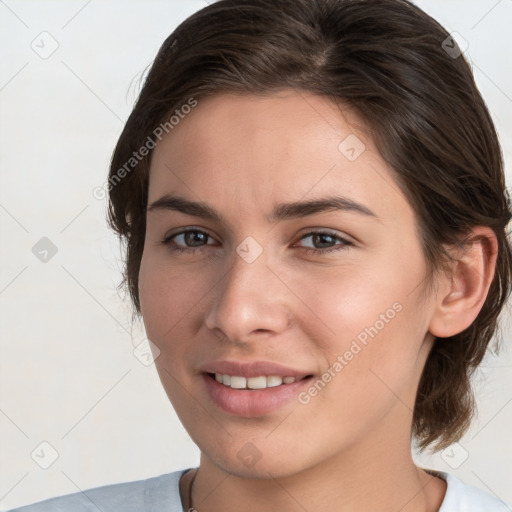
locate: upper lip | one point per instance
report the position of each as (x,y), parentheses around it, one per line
(252,369)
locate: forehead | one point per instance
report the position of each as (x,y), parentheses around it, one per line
(246,151)
(288,124)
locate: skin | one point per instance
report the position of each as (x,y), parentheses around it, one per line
(349,447)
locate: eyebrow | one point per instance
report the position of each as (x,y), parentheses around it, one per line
(282,211)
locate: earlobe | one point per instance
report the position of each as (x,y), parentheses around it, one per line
(463,293)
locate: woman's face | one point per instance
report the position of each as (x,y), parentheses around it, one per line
(331,292)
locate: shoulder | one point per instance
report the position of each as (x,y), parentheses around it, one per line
(467,498)
(153,494)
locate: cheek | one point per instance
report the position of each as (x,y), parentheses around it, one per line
(374,317)
(352,301)
(159,309)
(371,366)
(167,294)
(169,300)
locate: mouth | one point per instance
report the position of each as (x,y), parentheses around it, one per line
(254,383)
(250,397)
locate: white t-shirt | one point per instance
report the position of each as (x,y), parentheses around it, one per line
(161,494)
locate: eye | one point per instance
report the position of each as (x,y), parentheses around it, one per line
(194,240)
(189,240)
(326,241)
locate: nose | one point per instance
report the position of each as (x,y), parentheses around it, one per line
(249,303)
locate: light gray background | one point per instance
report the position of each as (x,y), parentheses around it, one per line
(68,373)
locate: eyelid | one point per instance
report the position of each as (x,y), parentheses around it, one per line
(328,231)
(185,229)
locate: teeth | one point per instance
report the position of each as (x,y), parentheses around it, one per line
(261,382)
(237,382)
(276,381)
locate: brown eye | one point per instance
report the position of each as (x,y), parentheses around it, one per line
(194,238)
(323,242)
(188,240)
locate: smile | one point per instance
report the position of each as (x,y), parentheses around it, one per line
(260,382)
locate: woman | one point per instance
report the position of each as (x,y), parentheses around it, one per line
(314,209)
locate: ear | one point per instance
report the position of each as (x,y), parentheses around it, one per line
(462,294)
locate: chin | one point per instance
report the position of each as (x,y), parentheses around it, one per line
(247,461)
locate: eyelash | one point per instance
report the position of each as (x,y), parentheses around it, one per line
(345,243)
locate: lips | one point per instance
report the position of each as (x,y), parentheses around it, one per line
(253,369)
(249,403)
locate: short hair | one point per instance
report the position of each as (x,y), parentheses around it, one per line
(406,78)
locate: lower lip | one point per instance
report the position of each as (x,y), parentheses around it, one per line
(252,402)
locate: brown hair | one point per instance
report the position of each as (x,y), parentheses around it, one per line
(398,68)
